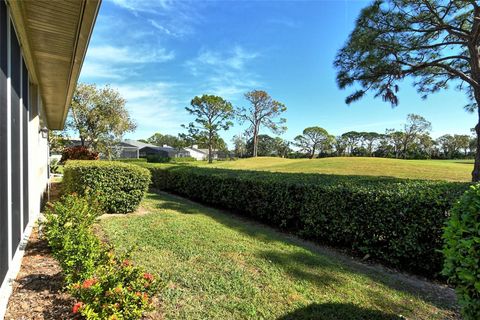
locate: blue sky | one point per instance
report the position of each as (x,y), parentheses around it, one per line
(159,54)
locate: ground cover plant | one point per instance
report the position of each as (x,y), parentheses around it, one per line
(215,265)
(106,284)
(396,221)
(119,186)
(451,170)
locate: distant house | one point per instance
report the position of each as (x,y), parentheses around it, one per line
(145,149)
(197,153)
(128,151)
(202,154)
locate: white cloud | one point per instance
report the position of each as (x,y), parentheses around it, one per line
(149,6)
(163,29)
(225,73)
(172,18)
(154,106)
(112,54)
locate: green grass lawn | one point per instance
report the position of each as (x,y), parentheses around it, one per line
(453,170)
(214,265)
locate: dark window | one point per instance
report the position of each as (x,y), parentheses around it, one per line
(25,117)
(15,134)
(3,144)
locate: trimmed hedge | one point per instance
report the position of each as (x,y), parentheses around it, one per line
(397,221)
(462,252)
(119,186)
(154,158)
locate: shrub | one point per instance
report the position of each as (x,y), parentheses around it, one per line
(106,285)
(154,158)
(462,251)
(78,153)
(118,290)
(67,229)
(119,186)
(54,166)
(396,221)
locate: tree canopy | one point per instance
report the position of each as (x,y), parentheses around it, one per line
(264,111)
(212,114)
(435,42)
(99,117)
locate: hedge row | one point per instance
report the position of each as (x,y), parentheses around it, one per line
(462,252)
(119,186)
(155,158)
(397,221)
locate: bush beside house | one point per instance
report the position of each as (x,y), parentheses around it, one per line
(78,153)
(119,186)
(397,221)
(106,285)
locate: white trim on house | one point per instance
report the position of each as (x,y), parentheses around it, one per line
(9,138)
(20,146)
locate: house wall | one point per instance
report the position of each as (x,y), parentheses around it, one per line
(129,153)
(195,154)
(23,154)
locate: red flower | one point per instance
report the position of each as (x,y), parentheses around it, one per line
(88,283)
(148,276)
(77,307)
(126,263)
(118,290)
(138,294)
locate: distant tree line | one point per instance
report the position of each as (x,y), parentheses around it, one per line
(413,141)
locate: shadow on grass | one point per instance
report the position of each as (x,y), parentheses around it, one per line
(337,311)
(304,266)
(301,264)
(236,222)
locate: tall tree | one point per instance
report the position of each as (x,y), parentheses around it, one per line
(240,145)
(159,139)
(436,42)
(369,139)
(311,140)
(415,127)
(264,111)
(281,147)
(266,146)
(352,138)
(340,144)
(212,114)
(99,117)
(395,139)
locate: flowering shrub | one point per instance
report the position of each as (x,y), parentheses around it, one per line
(106,285)
(67,229)
(117,290)
(78,153)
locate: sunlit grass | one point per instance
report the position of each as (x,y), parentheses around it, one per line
(214,265)
(453,170)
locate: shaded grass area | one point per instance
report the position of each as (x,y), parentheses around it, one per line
(215,265)
(452,170)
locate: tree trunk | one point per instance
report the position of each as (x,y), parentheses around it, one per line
(476,166)
(255,141)
(313,153)
(210,156)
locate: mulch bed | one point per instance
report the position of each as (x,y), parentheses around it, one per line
(38,291)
